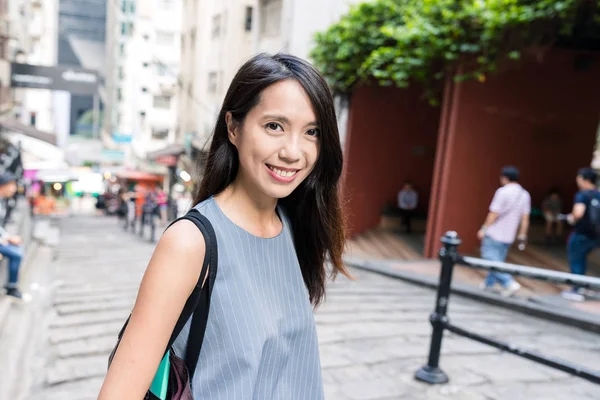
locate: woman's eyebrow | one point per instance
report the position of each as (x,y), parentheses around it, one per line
(286,120)
(281,118)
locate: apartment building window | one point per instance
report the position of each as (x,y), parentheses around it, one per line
(216,26)
(122,49)
(163,69)
(124,28)
(270,17)
(144,89)
(121,73)
(130,28)
(212,82)
(165,38)
(32,118)
(167,4)
(124,6)
(119,94)
(132,7)
(163,102)
(160,134)
(248,20)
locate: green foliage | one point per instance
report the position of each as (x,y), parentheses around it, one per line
(396,42)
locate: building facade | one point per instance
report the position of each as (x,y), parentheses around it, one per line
(31,37)
(6,55)
(81,38)
(148,89)
(217,37)
(120,17)
(290,25)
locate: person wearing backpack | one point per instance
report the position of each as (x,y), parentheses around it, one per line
(270,192)
(585,218)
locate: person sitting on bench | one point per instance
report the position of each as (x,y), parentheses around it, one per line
(408,199)
(10,245)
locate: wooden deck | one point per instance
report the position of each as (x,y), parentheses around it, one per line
(382,244)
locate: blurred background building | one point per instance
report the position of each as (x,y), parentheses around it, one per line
(120,16)
(163,69)
(217,37)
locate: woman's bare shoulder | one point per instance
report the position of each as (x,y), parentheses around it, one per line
(183,238)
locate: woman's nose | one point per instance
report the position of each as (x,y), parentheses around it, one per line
(291,150)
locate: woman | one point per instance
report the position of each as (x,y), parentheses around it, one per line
(271,192)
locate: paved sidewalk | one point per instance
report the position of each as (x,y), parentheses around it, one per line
(374,332)
(374,335)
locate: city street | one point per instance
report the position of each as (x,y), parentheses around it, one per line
(374,332)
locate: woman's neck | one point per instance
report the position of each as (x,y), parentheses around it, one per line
(251,211)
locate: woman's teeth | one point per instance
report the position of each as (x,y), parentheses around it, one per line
(281,173)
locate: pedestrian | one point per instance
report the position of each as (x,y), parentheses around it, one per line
(10,245)
(163,205)
(508,213)
(44,204)
(585,217)
(408,199)
(270,189)
(552,208)
(100,204)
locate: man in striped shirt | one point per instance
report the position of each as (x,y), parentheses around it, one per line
(508,213)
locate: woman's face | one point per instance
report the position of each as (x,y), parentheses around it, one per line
(278,143)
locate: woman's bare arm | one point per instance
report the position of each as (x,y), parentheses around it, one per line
(170,278)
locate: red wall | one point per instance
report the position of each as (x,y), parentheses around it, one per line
(391,138)
(541,117)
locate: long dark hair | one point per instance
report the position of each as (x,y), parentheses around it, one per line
(314,207)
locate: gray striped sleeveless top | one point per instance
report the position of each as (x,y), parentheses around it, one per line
(260,341)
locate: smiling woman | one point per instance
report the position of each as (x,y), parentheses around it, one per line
(270,190)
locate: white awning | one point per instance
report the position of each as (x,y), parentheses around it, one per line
(56,175)
(37,154)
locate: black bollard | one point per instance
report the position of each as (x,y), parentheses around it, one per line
(142,223)
(431,373)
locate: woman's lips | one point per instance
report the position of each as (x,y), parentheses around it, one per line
(282,174)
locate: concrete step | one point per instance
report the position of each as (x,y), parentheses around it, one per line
(22,326)
(5,304)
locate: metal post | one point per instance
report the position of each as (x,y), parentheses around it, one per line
(431,373)
(142,222)
(153,217)
(96,117)
(170,200)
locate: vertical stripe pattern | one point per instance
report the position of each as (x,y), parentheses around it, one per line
(261,341)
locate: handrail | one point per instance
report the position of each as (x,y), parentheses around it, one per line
(531,272)
(449,256)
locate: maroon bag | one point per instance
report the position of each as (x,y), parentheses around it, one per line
(197,307)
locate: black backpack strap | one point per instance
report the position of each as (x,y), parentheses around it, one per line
(199,300)
(198,304)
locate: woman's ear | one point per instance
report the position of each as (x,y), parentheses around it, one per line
(232,129)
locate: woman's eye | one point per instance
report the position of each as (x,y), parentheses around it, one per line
(314,132)
(274,126)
